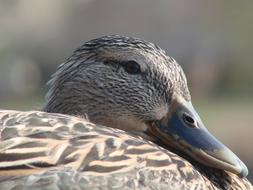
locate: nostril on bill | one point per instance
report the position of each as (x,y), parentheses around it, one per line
(189,121)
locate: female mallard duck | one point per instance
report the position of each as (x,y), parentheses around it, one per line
(153,139)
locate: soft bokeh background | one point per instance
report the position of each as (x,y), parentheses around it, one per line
(211,39)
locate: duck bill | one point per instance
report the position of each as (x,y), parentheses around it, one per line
(184,130)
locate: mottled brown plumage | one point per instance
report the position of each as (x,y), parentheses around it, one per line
(53,151)
(128,98)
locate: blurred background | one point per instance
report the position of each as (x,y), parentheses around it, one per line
(211,39)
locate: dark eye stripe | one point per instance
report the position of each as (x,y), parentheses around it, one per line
(131,67)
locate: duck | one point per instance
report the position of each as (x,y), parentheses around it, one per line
(117,115)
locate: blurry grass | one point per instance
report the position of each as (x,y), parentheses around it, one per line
(229,120)
(222,114)
(22,103)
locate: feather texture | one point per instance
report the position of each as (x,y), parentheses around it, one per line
(53,151)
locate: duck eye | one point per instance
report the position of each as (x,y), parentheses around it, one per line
(132,67)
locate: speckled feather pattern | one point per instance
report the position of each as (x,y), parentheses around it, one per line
(54,151)
(93,75)
(85,148)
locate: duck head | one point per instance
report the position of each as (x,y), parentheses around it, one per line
(131,84)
